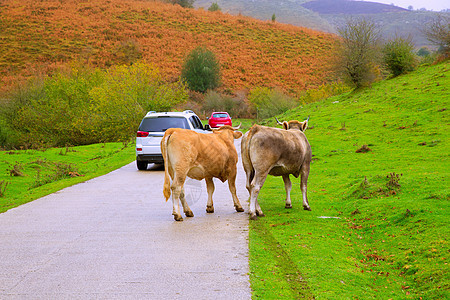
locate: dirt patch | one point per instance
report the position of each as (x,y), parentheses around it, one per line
(363,149)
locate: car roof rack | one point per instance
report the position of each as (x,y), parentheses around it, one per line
(188,111)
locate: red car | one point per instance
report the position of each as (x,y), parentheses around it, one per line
(219,119)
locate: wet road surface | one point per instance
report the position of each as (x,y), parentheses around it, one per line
(114,237)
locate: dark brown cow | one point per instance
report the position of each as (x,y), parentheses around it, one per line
(199,156)
(278,152)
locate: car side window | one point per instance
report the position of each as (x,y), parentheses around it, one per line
(195,121)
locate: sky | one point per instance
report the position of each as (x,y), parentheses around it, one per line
(436,5)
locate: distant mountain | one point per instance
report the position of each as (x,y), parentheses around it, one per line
(327,15)
(350,7)
(286,11)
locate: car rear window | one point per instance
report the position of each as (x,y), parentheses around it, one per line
(161,124)
(220,116)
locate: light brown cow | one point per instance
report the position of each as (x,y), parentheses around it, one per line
(199,156)
(278,152)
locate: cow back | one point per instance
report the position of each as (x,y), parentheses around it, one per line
(277,150)
(202,155)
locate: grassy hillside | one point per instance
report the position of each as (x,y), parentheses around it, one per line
(39,36)
(388,235)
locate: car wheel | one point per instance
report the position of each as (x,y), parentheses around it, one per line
(141,165)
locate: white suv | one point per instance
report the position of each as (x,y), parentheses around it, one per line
(151,131)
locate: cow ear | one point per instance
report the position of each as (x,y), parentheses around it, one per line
(304,125)
(285,125)
(237,134)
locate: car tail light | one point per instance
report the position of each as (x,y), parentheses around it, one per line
(142,134)
(138,149)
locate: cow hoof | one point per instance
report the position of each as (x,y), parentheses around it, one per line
(210,209)
(239,208)
(189,213)
(260,214)
(178,218)
(288,206)
(253,217)
(307,208)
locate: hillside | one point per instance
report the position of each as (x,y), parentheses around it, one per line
(41,36)
(378,228)
(327,15)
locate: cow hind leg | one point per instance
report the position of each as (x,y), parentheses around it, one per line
(287,187)
(255,187)
(187,211)
(250,174)
(232,187)
(304,185)
(259,211)
(210,189)
(177,189)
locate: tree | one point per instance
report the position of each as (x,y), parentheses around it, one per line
(183,3)
(274,18)
(214,7)
(437,32)
(398,56)
(201,70)
(360,51)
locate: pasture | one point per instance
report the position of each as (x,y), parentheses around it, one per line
(379,223)
(26,175)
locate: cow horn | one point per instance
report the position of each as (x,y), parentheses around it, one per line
(237,128)
(279,123)
(308,118)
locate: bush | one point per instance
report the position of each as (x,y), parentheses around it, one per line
(398,56)
(216,102)
(126,94)
(84,106)
(270,102)
(214,7)
(201,70)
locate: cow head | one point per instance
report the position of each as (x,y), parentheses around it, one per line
(294,124)
(236,134)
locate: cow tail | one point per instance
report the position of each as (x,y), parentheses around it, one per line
(246,152)
(164,143)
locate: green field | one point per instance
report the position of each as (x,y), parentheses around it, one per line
(388,238)
(26,175)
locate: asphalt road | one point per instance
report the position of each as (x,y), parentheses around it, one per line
(114,237)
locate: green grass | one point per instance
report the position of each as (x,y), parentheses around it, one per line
(26,175)
(391,238)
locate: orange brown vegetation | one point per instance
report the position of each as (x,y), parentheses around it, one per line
(40,36)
